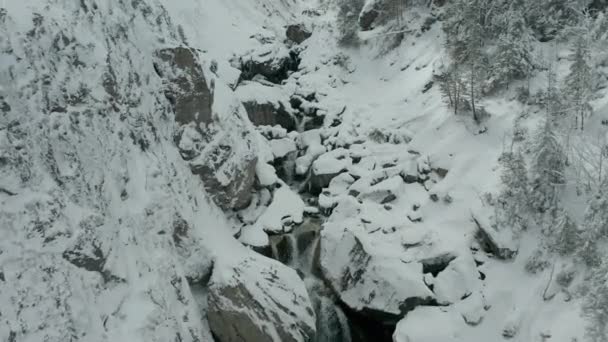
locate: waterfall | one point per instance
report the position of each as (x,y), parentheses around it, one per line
(299,250)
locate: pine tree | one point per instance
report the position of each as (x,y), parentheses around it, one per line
(579,80)
(565,234)
(548,166)
(595,227)
(595,306)
(513,56)
(513,197)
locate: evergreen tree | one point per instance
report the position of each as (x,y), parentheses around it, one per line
(595,227)
(565,234)
(579,80)
(548,166)
(513,198)
(595,306)
(513,56)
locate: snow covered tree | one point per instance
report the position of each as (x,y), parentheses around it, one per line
(513,56)
(547,169)
(579,80)
(595,227)
(452,88)
(565,235)
(466,27)
(512,200)
(595,306)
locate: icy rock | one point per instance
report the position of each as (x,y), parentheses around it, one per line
(384,287)
(265,105)
(297,33)
(259,300)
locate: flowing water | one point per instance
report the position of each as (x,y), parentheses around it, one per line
(300,250)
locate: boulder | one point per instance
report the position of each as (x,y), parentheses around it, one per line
(415,326)
(367,18)
(326,167)
(259,300)
(383,288)
(501,244)
(297,33)
(213,135)
(270,114)
(272,61)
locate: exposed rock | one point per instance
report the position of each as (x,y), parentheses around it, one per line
(297,33)
(326,167)
(499,244)
(234,191)
(380,287)
(269,114)
(273,62)
(226,168)
(187,88)
(367,18)
(259,300)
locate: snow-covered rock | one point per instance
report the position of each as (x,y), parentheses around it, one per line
(326,167)
(214,136)
(266,104)
(259,300)
(446,327)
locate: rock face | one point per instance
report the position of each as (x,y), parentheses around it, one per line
(92,179)
(214,137)
(297,33)
(259,300)
(187,88)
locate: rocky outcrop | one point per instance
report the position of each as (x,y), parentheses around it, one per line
(501,244)
(268,113)
(272,62)
(259,300)
(379,287)
(213,138)
(297,33)
(367,18)
(187,89)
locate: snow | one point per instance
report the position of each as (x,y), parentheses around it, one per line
(286,208)
(113,178)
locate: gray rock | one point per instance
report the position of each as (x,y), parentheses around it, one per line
(297,33)
(227,170)
(187,88)
(269,114)
(259,300)
(367,18)
(493,242)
